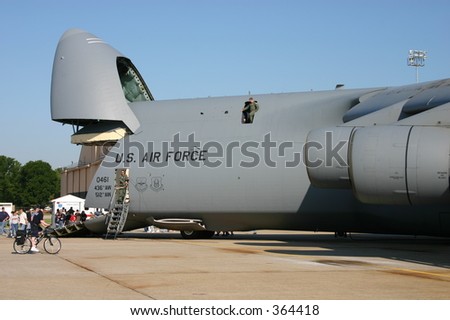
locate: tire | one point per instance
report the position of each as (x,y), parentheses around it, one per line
(22,248)
(208,234)
(188,234)
(52,245)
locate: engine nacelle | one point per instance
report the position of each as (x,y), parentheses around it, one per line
(400,165)
(383,164)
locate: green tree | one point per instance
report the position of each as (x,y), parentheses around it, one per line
(9,179)
(39,183)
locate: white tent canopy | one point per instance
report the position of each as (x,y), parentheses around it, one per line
(67,202)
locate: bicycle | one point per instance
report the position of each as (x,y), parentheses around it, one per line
(22,243)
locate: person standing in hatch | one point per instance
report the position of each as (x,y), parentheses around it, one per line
(250,108)
(122,185)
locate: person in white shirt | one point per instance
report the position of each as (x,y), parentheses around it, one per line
(13,224)
(23,220)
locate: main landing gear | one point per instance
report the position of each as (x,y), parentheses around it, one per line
(203,234)
(340,234)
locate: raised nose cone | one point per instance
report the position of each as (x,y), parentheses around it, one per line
(86,86)
(71,32)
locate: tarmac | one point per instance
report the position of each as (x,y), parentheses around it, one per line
(269,265)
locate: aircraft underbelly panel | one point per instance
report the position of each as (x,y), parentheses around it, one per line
(231,191)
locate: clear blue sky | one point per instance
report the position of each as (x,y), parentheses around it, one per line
(199,48)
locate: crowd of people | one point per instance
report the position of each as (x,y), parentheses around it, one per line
(66,217)
(16,220)
(19,220)
(10,223)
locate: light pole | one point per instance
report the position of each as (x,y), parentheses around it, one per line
(416,58)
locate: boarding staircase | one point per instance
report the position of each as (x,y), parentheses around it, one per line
(69,229)
(118,212)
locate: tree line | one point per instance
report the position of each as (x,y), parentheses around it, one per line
(32,184)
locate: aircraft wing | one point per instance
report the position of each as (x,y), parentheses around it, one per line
(413,99)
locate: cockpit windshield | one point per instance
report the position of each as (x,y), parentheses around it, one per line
(133,86)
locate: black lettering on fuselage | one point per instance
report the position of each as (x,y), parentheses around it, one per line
(156,156)
(130,157)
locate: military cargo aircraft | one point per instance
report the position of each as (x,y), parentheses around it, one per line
(372,160)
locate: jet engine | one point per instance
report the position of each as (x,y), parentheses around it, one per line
(382,164)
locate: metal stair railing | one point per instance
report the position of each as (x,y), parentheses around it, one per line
(118,214)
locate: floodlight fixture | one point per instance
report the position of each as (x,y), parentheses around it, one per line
(416,58)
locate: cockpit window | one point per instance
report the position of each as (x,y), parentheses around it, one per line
(133,86)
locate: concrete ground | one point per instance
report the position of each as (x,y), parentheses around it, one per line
(268,265)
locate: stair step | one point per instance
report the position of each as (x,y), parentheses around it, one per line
(117,220)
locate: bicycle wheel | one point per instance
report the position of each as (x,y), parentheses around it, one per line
(23,248)
(52,245)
